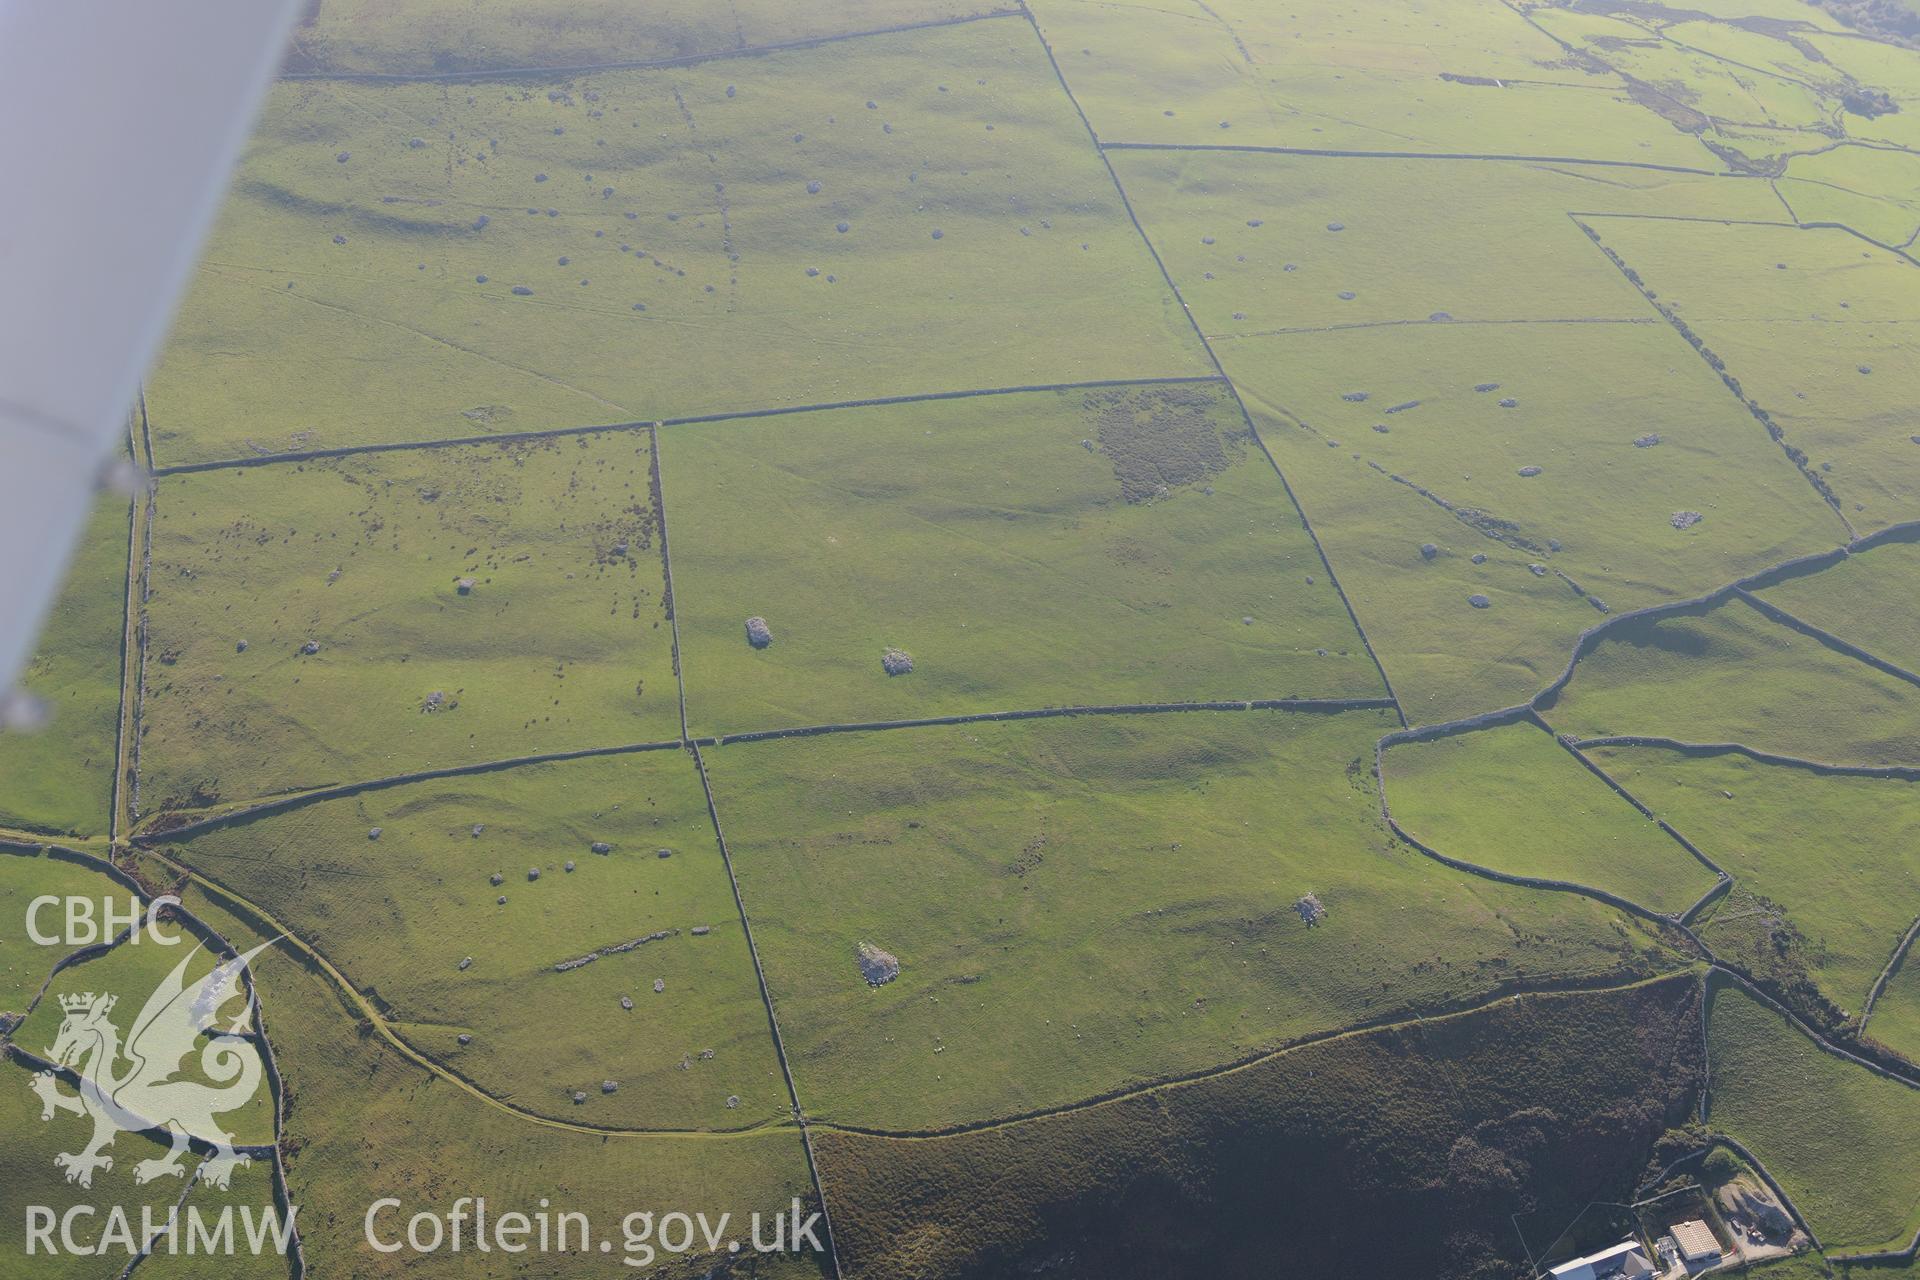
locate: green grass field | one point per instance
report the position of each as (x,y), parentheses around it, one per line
(1866,600)
(363,1118)
(27,876)
(402,914)
(1837,1137)
(60,779)
(675,245)
(1070,548)
(563,642)
(1514,398)
(28,1177)
(1095,354)
(1814,324)
(1732,675)
(1510,799)
(1343,75)
(132,972)
(1896,1018)
(1251,241)
(1087,904)
(1832,860)
(385,37)
(1872,190)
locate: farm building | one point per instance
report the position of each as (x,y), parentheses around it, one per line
(1696,1241)
(1626,1259)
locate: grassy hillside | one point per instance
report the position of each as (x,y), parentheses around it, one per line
(561,641)
(24,877)
(363,1122)
(60,779)
(1071,548)
(416,921)
(1449,1128)
(1511,799)
(1089,904)
(1826,868)
(1837,1137)
(635,245)
(1866,600)
(1814,326)
(1728,674)
(1340,75)
(421,37)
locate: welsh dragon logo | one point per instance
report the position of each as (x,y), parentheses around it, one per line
(130,1086)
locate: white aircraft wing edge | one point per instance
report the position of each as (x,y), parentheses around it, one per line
(120,121)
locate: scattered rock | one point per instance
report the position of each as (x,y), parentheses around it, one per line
(414,144)
(1646,441)
(733,1100)
(579,1099)
(1479,602)
(608,1086)
(241,646)
(496,879)
(533,873)
(1439,317)
(1336,226)
(310,648)
(938,234)
(1311,910)
(663,853)
(500,901)
(659,985)
(841,227)
(600,846)
(702,930)
(1537,570)
(433,701)
(1479,557)
(1686,519)
(343,157)
(1530,471)
(1348,295)
(1428,551)
(521,291)
(1355,397)
(373,833)
(466,964)
(1485,387)
(464,1038)
(1509,403)
(626,1002)
(569,864)
(876,966)
(896,662)
(1865,368)
(478,827)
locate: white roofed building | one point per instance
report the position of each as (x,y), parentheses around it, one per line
(1628,1259)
